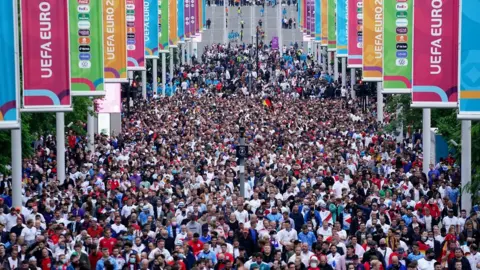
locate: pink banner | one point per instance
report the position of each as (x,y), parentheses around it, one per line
(355,33)
(45,48)
(435,55)
(304,11)
(135,35)
(197,18)
(112,102)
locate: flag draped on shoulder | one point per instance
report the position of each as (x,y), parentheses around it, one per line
(267,102)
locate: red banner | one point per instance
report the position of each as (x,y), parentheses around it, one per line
(355,33)
(45,47)
(435,54)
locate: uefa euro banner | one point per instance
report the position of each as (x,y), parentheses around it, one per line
(46,55)
(135,34)
(342,46)
(163,31)
(173,21)
(318,24)
(112,102)
(435,48)
(204,14)
(192,17)
(355,33)
(332,35)
(312,18)
(151,29)
(397,33)
(115,41)
(9,52)
(197,17)
(181,20)
(324,22)
(372,41)
(308,13)
(86,43)
(469,64)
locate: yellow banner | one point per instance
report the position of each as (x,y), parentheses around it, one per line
(200,14)
(172,23)
(373,40)
(324,21)
(114,40)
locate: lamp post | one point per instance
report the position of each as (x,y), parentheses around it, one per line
(242,153)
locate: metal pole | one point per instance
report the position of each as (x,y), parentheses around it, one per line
(144,84)
(466,171)
(16,167)
(90,130)
(279,27)
(335,66)
(164,71)
(241,164)
(184,46)
(353,79)
(324,60)
(379,102)
(171,66)
(427,140)
(155,76)
(60,117)
(344,71)
(329,63)
(256,50)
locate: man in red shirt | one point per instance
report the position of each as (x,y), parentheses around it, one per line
(196,244)
(108,242)
(94,230)
(227,255)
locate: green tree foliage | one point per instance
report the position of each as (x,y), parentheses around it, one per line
(37,124)
(448,126)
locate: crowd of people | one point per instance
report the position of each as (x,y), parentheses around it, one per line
(325,186)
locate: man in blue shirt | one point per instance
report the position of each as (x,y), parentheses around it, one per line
(106,259)
(206,253)
(307,236)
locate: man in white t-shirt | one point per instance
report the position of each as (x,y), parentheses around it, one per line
(428,262)
(241,214)
(450,220)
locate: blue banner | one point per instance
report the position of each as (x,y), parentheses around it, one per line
(151,29)
(342,45)
(318,22)
(204,13)
(469,64)
(181,19)
(9,112)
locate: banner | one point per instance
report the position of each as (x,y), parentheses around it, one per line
(46,55)
(86,62)
(397,64)
(324,22)
(204,15)
(332,39)
(469,64)
(112,102)
(342,46)
(434,77)
(186,14)
(304,15)
(275,45)
(299,14)
(181,20)
(9,52)
(163,26)
(115,41)
(172,24)
(308,17)
(373,41)
(312,18)
(135,35)
(197,17)
(151,29)
(318,23)
(355,33)
(191,13)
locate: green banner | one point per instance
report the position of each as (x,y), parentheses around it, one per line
(332,25)
(163,31)
(86,48)
(398,29)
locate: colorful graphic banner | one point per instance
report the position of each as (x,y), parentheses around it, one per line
(172,24)
(469,64)
(308,17)
(372,41)
(163,26)
(151,29)
(304,15)
(46,55)
(187,18)
(312,18)
(197,17)
(203,13)
(191,12)
(112,102)
(324,22)
(355,33)
(86,43)
(115,40)
(342,46)
(181,20)
(332,36)
(135,35)
(435,79)
(9,52)
(398,33)
(318,23)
